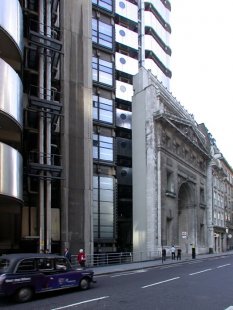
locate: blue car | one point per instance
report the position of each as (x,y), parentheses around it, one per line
(23,275)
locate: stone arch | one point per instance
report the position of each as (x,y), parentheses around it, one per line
(186,216)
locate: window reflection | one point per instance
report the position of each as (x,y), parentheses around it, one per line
(103,207)
(105,4)
(102,147)
(103,109)
(102,71)
(101,33)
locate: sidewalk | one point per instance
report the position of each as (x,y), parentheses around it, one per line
(100,270)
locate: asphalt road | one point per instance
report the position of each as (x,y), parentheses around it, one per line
(191,285)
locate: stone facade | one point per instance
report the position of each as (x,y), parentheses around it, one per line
(170,159)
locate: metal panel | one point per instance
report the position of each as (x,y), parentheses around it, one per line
(152,45)
(151,21)
(127,9)
(11,20)
(151,65)
(126,37)
(124,175)
(11,92)
(124,147)
(126,64)
(124,91)
(11,172)
(123,118)
(160,7)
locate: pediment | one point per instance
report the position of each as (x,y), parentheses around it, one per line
(188,129)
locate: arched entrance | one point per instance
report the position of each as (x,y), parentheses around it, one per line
(186,216)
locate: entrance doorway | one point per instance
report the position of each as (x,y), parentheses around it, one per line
(186,217)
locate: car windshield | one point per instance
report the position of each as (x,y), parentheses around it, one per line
(4,265)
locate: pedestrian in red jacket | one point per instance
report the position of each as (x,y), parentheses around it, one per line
(81,258)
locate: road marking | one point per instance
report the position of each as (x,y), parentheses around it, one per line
(128,273)
(81,302)
(229,308)
(223,265)
(170,266)
(191,274)
(157,283)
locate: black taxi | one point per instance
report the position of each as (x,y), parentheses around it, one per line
(23,275)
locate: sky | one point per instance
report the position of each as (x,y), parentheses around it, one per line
(202,65)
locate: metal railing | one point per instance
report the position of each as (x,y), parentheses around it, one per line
(106,259)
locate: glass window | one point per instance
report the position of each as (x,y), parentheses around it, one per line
(45,264)
(103,207)
(103,109)
(102,33)
(102,71)
(102,147)
(26,265)
(61,264)
(4,265)
(105,4)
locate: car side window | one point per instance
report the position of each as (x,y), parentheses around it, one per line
(26,265)
(45,264)
(61,264)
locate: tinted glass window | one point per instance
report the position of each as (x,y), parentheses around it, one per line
(61,264)
(45,264)
(4,265)
(26,265)
(103,207)
(103,109)
(102,71)
(106,4)
(102,147)
(102,33)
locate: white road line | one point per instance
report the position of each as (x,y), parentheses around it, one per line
(128,273)
(157,283)
(223,265)
(170,266)
(191,274)
(229,308)
(81,302)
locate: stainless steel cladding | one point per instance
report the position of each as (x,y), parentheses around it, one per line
(11,172)
(126,64)
(11,22)
(11,93)
(124,175)
(123,118)
(124,147)
(127,10)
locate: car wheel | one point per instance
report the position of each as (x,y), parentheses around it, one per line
(84,284)
(24,294)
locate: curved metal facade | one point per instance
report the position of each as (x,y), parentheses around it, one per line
(11,124)
(11,22)
(11,93)
(10,172)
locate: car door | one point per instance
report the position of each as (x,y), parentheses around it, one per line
(64,275)
(46,270)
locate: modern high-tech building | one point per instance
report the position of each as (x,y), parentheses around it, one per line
(66,71)
(125,36)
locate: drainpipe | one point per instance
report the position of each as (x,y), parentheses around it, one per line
(48,130)
(41,130)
